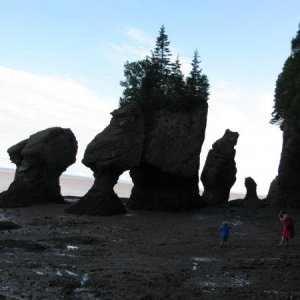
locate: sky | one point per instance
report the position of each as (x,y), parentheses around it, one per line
(61,63)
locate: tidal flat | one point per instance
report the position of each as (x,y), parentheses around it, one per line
(147,255)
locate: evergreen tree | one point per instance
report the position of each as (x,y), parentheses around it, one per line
(197,83)
(176,77)
(162,53)
(287,90)
(157,83)
(134,74)
(176,85)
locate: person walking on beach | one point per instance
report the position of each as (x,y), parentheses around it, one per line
(224,232)
(287,227)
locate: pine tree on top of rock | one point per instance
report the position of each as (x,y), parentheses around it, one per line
(162,54)
(197,83)
(157,83)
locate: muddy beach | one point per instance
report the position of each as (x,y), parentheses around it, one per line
(146,255)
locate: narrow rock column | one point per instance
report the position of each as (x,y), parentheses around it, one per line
(250,185)
(101,198)
(218,175)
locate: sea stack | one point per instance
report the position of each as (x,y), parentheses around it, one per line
(40,161)
(116,149)
(219,172)
(160,148)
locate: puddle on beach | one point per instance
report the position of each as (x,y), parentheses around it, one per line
(84,279)
(117,240)
(70,273)
(236,223)
(213,282)
(2,215)
(204,259)
(11,290)
(70,247)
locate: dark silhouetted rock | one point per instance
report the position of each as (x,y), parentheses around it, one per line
(161,149)
(250,185)
(272,196)
(40,161)
(251,199)
(289,169)
(167,178)
(218,175)
(116,149)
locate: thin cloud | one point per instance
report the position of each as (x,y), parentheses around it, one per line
(139,36)
(137,46)
(31,102)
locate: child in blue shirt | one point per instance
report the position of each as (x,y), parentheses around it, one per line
(224,232)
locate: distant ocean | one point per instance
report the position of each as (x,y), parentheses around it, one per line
(72,185)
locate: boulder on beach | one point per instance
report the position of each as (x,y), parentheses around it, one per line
(219,172)
(40,160)
(160,148)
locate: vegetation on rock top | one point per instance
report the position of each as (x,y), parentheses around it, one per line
(158,83)
(287,91)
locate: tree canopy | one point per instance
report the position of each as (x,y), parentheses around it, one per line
(287,90)
(156,82)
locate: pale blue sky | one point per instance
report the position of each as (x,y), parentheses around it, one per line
(245,42)
(73,52)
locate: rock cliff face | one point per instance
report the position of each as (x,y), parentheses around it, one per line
(272,197)
(218,175)
(161,149)
(287,186)
(40,161)
(167,178)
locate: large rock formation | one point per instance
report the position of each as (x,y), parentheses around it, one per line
(285,191)
(167,177)
(40,161)
(218,175)
(160,148)
(116,149)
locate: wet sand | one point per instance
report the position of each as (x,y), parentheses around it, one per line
(147,255)
(144,254)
